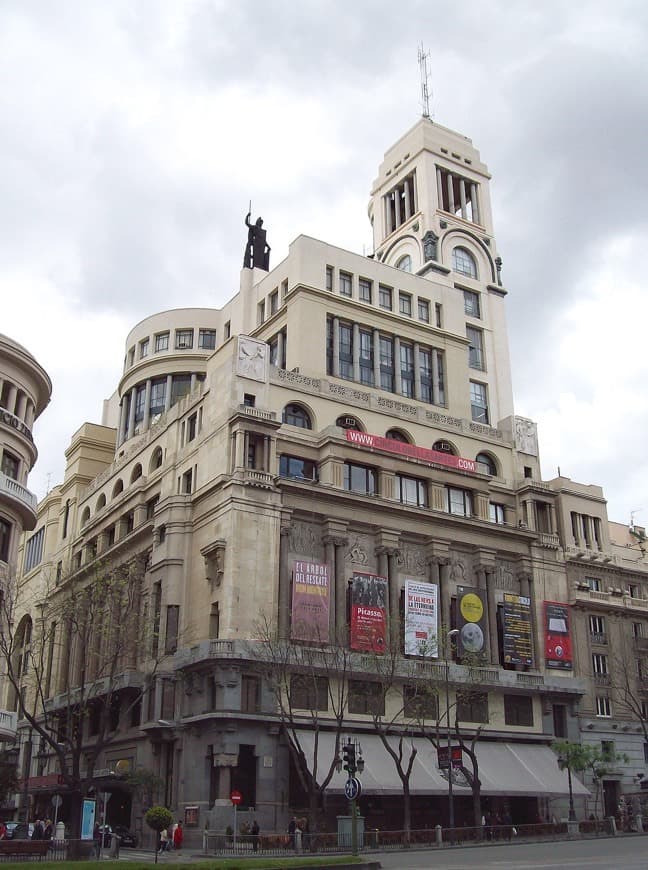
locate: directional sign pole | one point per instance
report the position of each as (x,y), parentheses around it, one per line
(354,828)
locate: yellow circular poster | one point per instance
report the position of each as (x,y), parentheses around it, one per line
(471,607)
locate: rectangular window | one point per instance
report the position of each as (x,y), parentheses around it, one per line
(419,702)
(472,707)
(187,482)
(10,465)
(34,550)
(171,634)
(411,490)
(405,304)
(180,387)
(365,290)
(300,469)
(518,710)
(359,478)
(594,584)
(479,403)
(308,692)
(559,720)
(471,303)
(284,288)
(161,341)
(407,370)
(184,339)
(366,358)
(366,698)
(637,629)
(597,627)
(438,315)
(600,664)
(207,339)
(131,356)
(603,706)
(250,694)
(192,426)
(158,396)
(424,310)
(5,540)
(144,348)
(385,297)
(386,363)
(140,403)
(274,302)
(261,312)
(167,709)
(346,284)
(346,351)
(475,348)
(329,277)
(459,501)
(496,513)
(227,329)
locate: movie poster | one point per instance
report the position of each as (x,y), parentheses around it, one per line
(471,620)
(421,619)
(558,649)
(517,630)
(310,602)
(368,612)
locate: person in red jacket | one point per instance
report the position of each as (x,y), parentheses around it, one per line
(178,836)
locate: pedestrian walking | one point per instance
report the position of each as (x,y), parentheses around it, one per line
(254,830)
(292,827)
(178,836)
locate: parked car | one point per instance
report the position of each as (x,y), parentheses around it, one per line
(19,830)
(127,838)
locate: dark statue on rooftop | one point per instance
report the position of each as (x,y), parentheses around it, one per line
(257,250)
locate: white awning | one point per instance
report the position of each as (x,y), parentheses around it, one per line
(504,768)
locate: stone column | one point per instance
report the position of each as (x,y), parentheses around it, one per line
(22,406)
(488,576)
(131,413)
(439,188)
(31,412)
(526,590)
(11,400)
(417,371)
(398,384)
(474,201)
(462,198)
(435,378)
(120,429)
(397,207)
(451,201)
(376,357)
(356,353)
(284,582)
(167,395)
(387,568)
(280,350)
(147,406)
(552,519)
(329,550)
(341,627)
(336,347)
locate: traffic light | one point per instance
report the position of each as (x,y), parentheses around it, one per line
(348,754)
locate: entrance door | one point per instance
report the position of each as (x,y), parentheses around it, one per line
(610,797)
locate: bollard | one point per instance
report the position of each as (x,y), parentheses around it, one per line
(439,835)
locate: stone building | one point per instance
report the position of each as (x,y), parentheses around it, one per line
(354,414)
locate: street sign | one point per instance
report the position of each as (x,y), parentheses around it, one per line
(236,797)
(352,788)
(443,757)
(57,800)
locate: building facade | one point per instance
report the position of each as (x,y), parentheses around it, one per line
(353,414)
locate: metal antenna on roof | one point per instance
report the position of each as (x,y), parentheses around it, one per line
(425,79)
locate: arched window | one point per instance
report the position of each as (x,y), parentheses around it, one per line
(404,263)
(156,459)
(137,472)
(486,464)
(101,502)
(397,435)
(444,447)
(118,487)
(85,516)
(464,262)
(347,421)
(295,415)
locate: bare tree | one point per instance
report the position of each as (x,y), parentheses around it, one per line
(73,671)
(309,683)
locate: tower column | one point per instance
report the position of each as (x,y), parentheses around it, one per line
(474,202)
(462,198)
(451,194)
(439,187)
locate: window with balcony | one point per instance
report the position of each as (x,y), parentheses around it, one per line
(359,478)
(10,465)
(411,490)
(600,665)
(309,692)
(518,710)
(603,706)
(298,468)
(366,698)
(593,583)
(597,629)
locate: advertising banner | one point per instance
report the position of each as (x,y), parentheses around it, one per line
(421,619)
(310,602)
(88,819)
(389,445)
(471,619)
(368,612)
(558,648)
(517,630)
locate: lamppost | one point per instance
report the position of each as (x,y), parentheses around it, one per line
(448,646)
(353,762)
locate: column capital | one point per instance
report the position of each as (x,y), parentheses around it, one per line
(437,560)
(336,540)
(387,551)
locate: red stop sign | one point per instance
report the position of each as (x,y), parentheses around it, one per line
(236,797)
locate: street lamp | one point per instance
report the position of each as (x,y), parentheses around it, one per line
(448,646)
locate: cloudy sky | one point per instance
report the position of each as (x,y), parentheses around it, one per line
(133,133)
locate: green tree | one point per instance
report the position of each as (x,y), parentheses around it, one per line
(158,818)
(586,758)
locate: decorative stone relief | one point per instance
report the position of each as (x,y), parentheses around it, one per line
(505,577)
(458,573)
(252,359)
(430,240)
(411,560)
(306,540)
(357,554)
(526,436)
